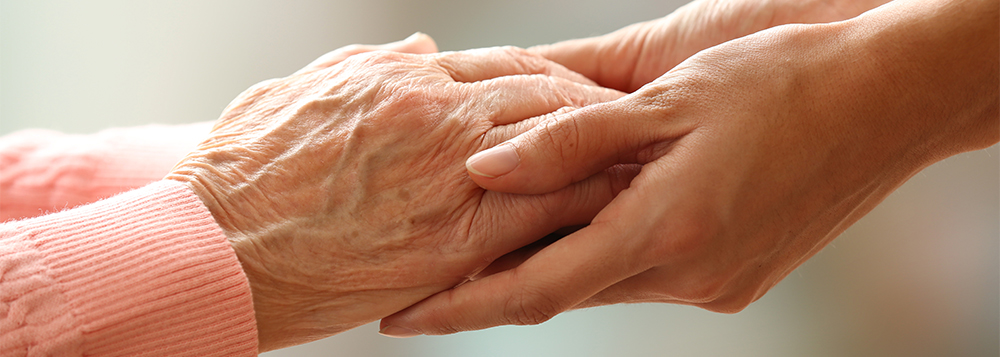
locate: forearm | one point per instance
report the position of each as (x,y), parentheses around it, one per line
(43,171)
(881,97)
(900,87)
(931,69)
(147,272)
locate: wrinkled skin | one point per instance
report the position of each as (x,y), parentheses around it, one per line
(343,191)
(755,154)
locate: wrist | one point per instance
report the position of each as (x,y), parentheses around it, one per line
(145,270)
(933,68)
(249,261)
(281,314)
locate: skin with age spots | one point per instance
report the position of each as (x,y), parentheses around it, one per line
(343,190)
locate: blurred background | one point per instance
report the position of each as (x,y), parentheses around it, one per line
(919,276)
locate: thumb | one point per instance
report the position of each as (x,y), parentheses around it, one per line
(554,280)
(569,147)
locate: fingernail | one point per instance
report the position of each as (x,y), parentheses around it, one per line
(493,162)
(398,332)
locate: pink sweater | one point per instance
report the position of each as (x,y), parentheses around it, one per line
(146,272)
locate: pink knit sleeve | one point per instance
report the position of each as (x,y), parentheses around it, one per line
(146,272)
(45,171)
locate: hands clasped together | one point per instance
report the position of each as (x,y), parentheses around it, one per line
(739,153)
(343,187)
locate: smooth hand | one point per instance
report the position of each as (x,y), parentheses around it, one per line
(637,54)
(343,188)
(755,154)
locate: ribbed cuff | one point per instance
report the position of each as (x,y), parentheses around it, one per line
(148,272)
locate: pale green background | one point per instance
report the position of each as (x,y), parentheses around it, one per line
(919,276)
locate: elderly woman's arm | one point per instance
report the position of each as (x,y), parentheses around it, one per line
(329,199)
(43,171)
(344,192)
(147,272)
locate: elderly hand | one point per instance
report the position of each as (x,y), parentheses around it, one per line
(756,153)
(637,54)
(343,190)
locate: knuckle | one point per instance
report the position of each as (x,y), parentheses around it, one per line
(447,329)
(383,56)
(577,96)
(531,309)
(566,141)
(344,53)
(352,49)
(250,96)
(376,58)
(530,315)
(338,55)
(731,304)
(402,98)
(529,62)
(562,134)
(515,51)
(676,93)
(564,110)
(564,93)
(263,86)
(563,139)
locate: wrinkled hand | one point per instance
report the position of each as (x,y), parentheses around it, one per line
(756,153)
(637,54)
(343,190)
